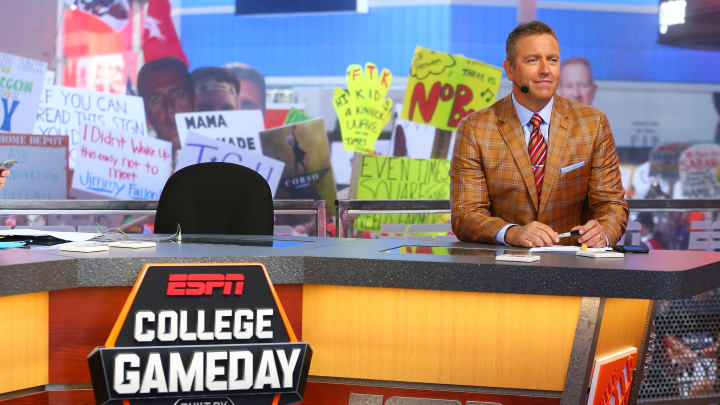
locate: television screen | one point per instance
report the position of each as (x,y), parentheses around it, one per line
(689,23)
(270,7)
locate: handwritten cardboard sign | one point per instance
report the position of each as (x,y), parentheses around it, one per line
(362,109)
(239,128)
(21,83)
(664,160)
(342,160)
(442,88)
(200,149)
(41,170)
(698,168)
(399,178)
(121,166)
(66,111)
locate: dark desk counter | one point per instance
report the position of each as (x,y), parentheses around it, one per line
(420,300)
(362,262)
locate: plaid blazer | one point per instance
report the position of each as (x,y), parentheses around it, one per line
(492,183)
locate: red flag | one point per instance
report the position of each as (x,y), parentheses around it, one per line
(159,37)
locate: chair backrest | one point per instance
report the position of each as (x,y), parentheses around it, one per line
(215,198)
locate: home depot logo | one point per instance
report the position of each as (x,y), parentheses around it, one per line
(612,378)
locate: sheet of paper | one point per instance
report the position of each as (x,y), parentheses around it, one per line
(565,249)
(132,244)
(555,249)
(598,255)
(85,247)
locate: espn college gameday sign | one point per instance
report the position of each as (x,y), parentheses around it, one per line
(211,334)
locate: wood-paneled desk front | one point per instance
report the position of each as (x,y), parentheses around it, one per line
(445,322)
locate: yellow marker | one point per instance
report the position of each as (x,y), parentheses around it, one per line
(583,247)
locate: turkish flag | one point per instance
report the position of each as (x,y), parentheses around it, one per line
(159,37)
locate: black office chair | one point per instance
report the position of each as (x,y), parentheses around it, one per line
(215,198)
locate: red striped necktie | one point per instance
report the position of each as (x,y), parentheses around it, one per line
(537,151)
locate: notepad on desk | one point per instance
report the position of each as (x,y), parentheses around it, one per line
(600,253)
(84,247)
(132,244)
(508,257)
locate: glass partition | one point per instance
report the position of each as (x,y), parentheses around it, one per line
(292,217)
(656,224)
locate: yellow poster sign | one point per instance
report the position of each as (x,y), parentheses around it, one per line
(401,178)
(442,88)
(362,109)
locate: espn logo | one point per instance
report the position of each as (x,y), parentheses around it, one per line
(205,284)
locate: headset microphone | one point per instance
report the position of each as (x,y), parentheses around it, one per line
(524,89)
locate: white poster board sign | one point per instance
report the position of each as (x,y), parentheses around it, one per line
(239,128)
(200,149)
(49,79)
(21,84)
(410,139)
(41,170)
(66,111)
(698,167)
(121,166)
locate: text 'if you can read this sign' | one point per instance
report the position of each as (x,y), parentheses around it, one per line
(201,333)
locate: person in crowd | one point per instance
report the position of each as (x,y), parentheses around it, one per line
(166,89)
(534,164)
(686,360)
(252,86)
(216,89)
(576,81)
(647,227)
(4,174)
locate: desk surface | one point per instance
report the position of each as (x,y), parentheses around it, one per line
(362,262)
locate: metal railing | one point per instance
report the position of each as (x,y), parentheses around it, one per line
(131,207)
(347,208)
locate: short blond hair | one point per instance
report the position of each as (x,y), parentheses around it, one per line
(524,30)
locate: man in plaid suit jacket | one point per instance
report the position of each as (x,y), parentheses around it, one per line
(493,191)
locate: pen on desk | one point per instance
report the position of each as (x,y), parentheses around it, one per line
(569,234)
